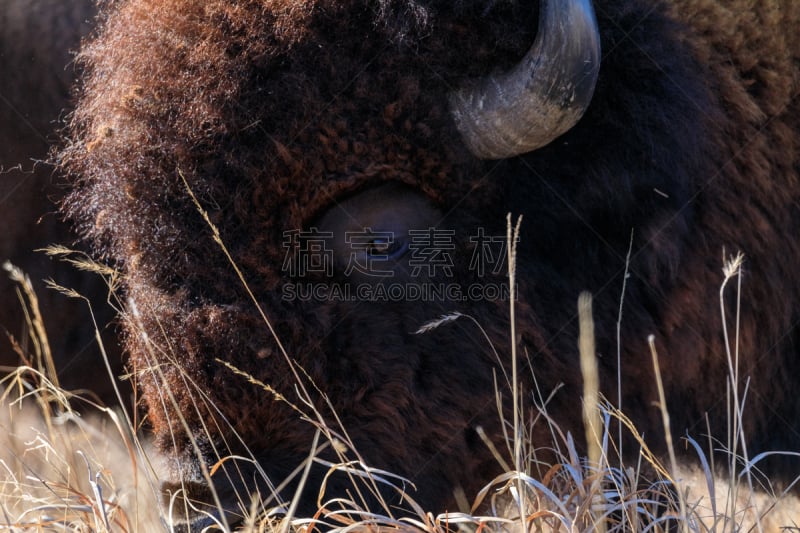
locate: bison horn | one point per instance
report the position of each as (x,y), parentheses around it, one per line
(545,95)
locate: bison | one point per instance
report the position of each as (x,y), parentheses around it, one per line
(37,42)
(287,185)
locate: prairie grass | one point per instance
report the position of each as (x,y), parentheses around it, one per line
(91,469)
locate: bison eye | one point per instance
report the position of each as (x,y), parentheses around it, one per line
(369,234)
(390,248)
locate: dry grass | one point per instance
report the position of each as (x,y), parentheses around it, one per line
(60,471)
(70,473)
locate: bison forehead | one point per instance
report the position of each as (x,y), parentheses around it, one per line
(266,133)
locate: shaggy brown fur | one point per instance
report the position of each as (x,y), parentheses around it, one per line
(36,71)
(273,109)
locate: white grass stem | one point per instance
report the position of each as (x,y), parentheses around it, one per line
(512,237)
(662,401)
(619,343)
(286,522)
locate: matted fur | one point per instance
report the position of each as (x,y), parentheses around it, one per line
(272,110)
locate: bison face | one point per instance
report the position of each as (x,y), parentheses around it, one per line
(365,276)
(373,245)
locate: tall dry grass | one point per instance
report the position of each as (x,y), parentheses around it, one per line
(93,471)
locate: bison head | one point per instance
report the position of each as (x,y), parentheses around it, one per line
(267,173)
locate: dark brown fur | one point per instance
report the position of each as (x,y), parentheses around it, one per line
(273,109)
(37,42)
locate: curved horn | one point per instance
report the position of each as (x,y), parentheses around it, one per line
(543,96)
